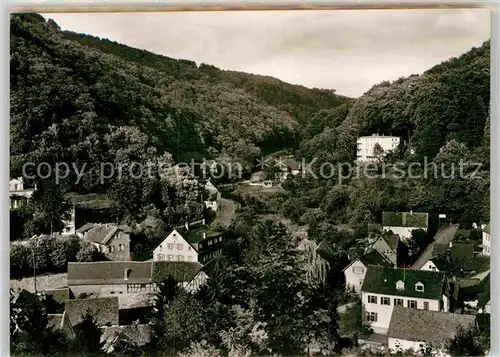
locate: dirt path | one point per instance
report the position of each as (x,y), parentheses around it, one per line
(227,211)
(442,236)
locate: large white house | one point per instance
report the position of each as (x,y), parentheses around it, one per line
(355,272)
(19,195)
(412,329)
(404,223)
(367,144)
(486,239)
(175,248)
(385,287)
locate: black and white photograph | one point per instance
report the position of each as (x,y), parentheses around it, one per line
(250,183)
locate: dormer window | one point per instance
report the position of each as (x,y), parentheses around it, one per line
(419,287)
(400,285)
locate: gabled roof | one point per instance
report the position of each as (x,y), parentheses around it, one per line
(104,310)
(59,295)
(108,272)
(181,271)
(433,327)
(182,232)
(487,229)
(392,240)
(405,219)
(371,258)
(101,234)
(442,263)
(461,250)
(382,280)
(137,334)
(85,228)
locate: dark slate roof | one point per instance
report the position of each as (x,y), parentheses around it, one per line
(405,219)
(104,310)
(487,229)
(392,240)
(434,327)
(325,250)
(440,248)
(109,272)
(138,334)
(374,258)
(85,228)
(55,321)
(382,280)
(460,250)
(101,234)
(442,263)
(59,295)
(181,271)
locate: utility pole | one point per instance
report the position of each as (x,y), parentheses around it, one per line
(34,269)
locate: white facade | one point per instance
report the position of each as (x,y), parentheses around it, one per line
(366,144)
(429,266)
(175,248)
(399,345)
(374,305)
(486,243)
(194,285)
(354,275)
(403,232)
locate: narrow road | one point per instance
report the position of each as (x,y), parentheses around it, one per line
(442,236)
(227,212)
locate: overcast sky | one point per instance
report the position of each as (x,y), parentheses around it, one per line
(344,50)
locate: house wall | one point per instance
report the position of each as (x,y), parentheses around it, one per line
(383,248)
(486,243)
(400,345)
(354,276)
(119,247)
(110,289)
(213,205)
(366,144)
(429,266)
(403,232)
(175,248)
(384,312)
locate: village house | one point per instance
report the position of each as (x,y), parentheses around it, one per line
(386,287)
(62,323)
(18,193)
(404,223)
(69,225)
(389,246)
(115,278)
(104,310)
(413,329)
(486,239)
(175,248)
(110,239)
(367,144)
(355,272)
(213,199)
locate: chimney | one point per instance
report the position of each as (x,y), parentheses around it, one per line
(483,226)
(186,225)
(450,244)
(411,212)
(203,221)
(204,235)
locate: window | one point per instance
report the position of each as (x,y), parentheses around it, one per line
(209,242)
(358,270)
(179,258)
(398,302)
(179,246)
(400,285)
(170,246)
(372,299)
(161,257)
(371,316)
(161,247)
(412,304)
(385,301)
(433,269)
(170,257)
(361,282)
(419,287)
(190,258)
(426,305)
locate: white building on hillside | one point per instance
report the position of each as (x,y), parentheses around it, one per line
(355,272)
(486,240)
(19,195)
(367,144)
(385,287)
(214,197)
(404,223)
(175,248)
